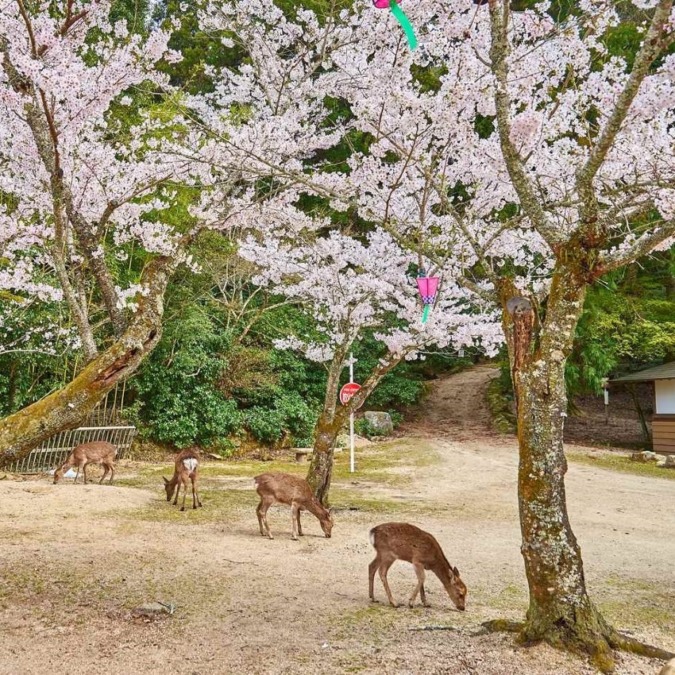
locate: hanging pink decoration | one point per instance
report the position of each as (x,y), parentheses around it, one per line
(427,287)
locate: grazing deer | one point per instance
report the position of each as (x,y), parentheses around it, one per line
(400,541)
(669,668)
(186,468)
(294,491)
(96,452)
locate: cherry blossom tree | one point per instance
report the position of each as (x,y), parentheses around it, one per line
(82,188)
(511,147)
(510,151)
(347,287)
(77,191)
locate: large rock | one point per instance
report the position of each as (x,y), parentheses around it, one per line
(380,422)
(670,462)
(644,456)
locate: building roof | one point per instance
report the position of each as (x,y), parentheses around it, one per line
(663,372)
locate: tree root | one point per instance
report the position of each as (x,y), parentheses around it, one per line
(628,644)
(600,650)
(503,626)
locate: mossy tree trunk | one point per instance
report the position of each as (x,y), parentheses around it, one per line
(321,467)
(68,407)
(560,611)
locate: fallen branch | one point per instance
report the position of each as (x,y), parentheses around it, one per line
(419,628)
(240,562)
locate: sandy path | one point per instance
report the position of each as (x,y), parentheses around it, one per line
(75,560)
(456,406)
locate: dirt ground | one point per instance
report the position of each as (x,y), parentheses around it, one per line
(621,429)
(76,560)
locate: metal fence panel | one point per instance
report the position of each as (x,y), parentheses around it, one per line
(56,449)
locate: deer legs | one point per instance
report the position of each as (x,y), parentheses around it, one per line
(107,467)
(419,570)
(295,521)
(261,511)
(382,564)
(195,495)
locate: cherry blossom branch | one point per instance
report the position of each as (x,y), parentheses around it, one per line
(651,48)
(499,15)
(642,246)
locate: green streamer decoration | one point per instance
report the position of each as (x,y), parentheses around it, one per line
(400,16)
(405,23)
(425,313)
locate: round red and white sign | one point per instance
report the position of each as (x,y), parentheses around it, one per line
(347,391)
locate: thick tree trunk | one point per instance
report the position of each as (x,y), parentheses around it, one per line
(68,407)
(560,611)
(321,468)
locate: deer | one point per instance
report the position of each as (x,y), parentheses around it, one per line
(295,492)
(401,541)
(669,668)
(186,468)
(95,452)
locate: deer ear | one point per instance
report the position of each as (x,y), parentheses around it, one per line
(166,482)
(455,571)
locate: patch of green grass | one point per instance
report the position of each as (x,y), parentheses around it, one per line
(218,503)
(635,603)
(623,464)
(390,464)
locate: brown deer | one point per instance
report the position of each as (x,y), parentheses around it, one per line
(294,491)
(96,452)
(669,668)
(186,468)
(400,541)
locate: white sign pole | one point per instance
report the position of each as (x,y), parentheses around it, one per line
(351,362)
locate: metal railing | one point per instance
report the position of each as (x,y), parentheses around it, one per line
(56,449)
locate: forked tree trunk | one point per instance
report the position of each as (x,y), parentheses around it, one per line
(333,417)
(68,407)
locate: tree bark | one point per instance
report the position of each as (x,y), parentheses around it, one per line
(68,407)
(560,610)
(321,468)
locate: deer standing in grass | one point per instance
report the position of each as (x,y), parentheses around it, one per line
(293,491)
(400,541)
(186,469)
(95,452)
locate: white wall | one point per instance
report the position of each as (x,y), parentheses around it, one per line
(665,397)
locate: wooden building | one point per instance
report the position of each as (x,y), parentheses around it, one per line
(663,422)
